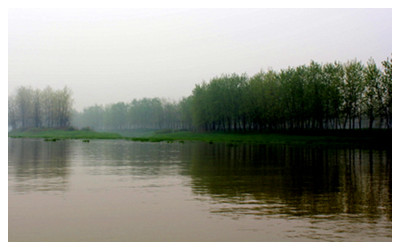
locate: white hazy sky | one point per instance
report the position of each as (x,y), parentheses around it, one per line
(111,55)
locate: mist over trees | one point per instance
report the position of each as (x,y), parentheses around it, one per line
(334,95)
(35,108)
(146,113)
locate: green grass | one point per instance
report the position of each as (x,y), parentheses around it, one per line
(273,138)
(381,138)
(58,134)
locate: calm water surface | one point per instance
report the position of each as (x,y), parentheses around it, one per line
(130,191)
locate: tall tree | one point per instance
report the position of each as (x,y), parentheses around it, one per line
(41,108)
(36,102)
(334,78)
(24,105)
(353,90)
(314,96)
(12,112)
(386,109)
(373,96)
(185,109)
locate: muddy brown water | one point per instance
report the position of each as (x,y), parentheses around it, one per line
(116,190)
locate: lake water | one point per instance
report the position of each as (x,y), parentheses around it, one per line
(133,191)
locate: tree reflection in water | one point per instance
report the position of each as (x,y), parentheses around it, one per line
(272,192)
(37,165)
(283,180)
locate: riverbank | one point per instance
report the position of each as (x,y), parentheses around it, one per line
(60,134)
(377,138)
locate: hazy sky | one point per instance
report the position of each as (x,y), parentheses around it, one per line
(111,55)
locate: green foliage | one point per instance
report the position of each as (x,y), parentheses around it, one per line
(373,95)
(56,134)
(329,96)
(315,96)
(386,104)
(36,108)
(218,105)
(379,138)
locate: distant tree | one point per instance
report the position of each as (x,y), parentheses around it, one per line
(373,96)
(386,107)
(93,117)
(12,112)
(353,89)
(24,105)
(170,115)
(293,83)
(48,111)
(40,108)
(334,78)
(145,113)
(185,110)
(262,100)
(36,102)
(201,113)
(65,97)
(314,96)
(116,115)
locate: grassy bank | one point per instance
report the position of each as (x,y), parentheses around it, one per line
(376,138)
(379,138)
(58,134)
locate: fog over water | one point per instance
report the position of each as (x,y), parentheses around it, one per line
(111,55)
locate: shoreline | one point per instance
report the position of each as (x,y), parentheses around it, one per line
(376,138)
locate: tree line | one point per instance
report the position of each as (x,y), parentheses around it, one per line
(35,108)
(145,113)
(335,95)
(314,96)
